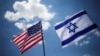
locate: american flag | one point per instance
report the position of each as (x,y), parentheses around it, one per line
(29,37)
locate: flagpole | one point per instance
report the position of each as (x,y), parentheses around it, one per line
(43,41)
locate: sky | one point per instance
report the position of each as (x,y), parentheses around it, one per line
(18,15)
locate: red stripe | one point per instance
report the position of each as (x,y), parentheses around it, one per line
(29,41)
(19,44)
(19,36)
(31,46)
(32,40)
(34,37)
(18,41)
(26,43)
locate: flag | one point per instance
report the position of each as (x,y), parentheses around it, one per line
(29,37)
(76,26)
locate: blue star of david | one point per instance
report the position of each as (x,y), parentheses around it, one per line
(72,27)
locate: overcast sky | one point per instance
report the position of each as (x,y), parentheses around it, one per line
(18,15)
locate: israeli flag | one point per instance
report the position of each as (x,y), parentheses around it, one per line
(74,27)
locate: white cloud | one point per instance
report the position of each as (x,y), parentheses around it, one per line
(84,43)
(45,25)
(20,25)
(28,11)
(40,42)
(97,33)
(78,39)
(24,25)
(86,55)
(11,16)
(87,41)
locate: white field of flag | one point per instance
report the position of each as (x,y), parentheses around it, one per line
(73,28)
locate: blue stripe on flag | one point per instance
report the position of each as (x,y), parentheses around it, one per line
(72,18)
(70,39)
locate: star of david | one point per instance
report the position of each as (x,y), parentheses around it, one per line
(72,27)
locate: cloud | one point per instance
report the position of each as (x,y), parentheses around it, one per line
(83,40)
(97,33)
(87,38)
(11,16)
(76,41)
(46,25)
(86,55)
(40,42)
(22,25)
(28,11)
(84,43)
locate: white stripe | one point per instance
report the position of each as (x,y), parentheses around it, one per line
(82,23)
(21,38)
(28,41)
(31,43)
(33,38)
(20,44)
(17,37)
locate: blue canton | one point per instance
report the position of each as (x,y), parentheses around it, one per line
(34,29)
(72,27)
